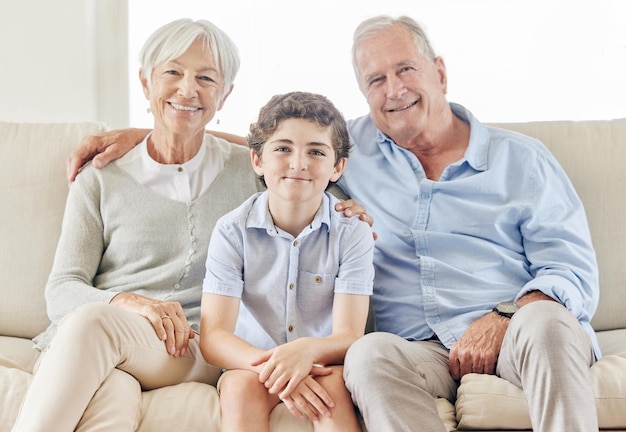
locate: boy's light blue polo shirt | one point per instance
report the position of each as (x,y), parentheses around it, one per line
(286,284)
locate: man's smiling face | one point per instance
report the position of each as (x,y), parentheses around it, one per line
(404,88)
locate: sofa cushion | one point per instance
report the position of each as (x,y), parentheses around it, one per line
(32,206)
(159,404)
(489,402)
(14,383)
(18,353)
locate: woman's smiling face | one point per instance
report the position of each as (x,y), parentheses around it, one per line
(185,93)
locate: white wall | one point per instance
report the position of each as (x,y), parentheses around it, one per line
(63,60)
(507,60)
(67,60)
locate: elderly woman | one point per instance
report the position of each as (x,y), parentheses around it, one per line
(124,292)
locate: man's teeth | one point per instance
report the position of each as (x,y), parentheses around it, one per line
(404,107)
(183,107)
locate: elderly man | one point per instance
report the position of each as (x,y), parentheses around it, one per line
(484,260)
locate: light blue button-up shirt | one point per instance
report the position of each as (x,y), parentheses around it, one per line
(287,284)
(501,222)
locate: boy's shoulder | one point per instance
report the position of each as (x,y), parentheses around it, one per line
(244,211)
(338,218)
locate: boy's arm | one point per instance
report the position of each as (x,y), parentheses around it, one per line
(218,343)
(288,364)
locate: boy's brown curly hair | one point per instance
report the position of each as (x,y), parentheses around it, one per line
(300,105)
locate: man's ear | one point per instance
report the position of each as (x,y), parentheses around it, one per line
(256,163)
(226,94)
(339,167)
(144,84)
(443,74)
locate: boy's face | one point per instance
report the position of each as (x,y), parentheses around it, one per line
(298,161)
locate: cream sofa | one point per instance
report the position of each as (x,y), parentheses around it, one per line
(32,195)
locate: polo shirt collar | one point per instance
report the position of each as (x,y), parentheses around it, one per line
(260,217)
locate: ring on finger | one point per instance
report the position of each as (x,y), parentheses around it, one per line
(166,316)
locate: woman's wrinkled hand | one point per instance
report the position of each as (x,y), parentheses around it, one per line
(167,318)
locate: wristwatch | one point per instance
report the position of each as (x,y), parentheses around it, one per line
(506,309)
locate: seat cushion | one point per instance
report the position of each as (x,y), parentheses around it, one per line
(489,402)
(14,383)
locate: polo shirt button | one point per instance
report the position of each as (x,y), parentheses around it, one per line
(290,329)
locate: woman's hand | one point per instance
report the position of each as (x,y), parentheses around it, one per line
(309,399)
(167,318)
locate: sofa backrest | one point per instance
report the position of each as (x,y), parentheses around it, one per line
(32,199)
(33,191)
(593,153)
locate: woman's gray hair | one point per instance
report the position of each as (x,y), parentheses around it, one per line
(383,22)
(172,40)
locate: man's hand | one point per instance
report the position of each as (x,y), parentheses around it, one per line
(477,351)
(352,208)
(167,318)
(102,149)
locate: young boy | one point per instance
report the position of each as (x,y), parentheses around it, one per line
(288,278)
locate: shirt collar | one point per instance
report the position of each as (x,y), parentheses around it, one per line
(192,165)
(477,153)
(260,217)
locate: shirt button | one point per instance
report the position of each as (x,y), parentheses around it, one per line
(318,279)
(180,169)
(290,329)
(177,286)
(291,286)
(295,243)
